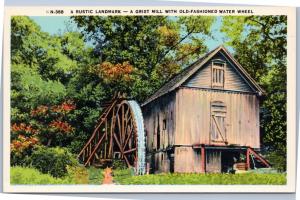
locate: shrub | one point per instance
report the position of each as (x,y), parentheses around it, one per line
(52,160)
(95,175)
(122,174)
(26,175)
(119,164)
(19,159)
(277,160)
(23,140)
(78,175)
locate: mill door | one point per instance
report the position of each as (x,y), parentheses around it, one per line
(217,122)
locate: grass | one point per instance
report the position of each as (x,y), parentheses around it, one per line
(25,175)
(77,175)
(123,177)
(95,175)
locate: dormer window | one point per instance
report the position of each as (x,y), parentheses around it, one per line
(218,73)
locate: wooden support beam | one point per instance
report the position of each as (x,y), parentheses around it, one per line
(259,157)
(203,165)
(248,159)
(95,133)
(91,154)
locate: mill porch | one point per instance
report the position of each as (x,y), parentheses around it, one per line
(229,159)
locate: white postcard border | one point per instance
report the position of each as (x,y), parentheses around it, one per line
(291,110)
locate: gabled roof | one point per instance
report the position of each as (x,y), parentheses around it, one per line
(186,73)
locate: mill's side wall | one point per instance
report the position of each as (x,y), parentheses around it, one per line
(159,118)
(159,122)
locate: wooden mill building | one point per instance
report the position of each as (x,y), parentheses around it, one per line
(204,119)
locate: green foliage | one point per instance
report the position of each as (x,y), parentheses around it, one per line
(20,159)
(42,68)
(119,164)
(25,175)
(52,160)
(38,50)
(122,174)
(29,90)
(78,174)
(157,47)
(277,160)
(124,178)
(95,175)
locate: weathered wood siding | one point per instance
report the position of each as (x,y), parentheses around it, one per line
(154,115)
(233,80)
(194,115)
(213,161)
(187,160)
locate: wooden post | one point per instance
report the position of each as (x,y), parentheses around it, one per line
(248,158)
(203,159)
(259,157)
(147,168)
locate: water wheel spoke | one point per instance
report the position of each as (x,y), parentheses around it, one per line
(127,119)
(127,162)
(119,128)
(129,136)
(129,151)
(118,143)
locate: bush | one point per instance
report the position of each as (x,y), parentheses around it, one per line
(21,149)
(119,164)
(122,174)
(25,175)
(277,160)
(19,159)
(95,175)
(78,175)
(52,160)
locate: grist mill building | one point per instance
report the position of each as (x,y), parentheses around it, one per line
(204,119)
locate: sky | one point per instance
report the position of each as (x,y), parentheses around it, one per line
(58,24)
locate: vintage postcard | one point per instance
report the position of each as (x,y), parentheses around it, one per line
(149,99)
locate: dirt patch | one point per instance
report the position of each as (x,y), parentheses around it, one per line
(108,179)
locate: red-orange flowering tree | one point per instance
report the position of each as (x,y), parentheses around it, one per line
(52,123)
(23,140)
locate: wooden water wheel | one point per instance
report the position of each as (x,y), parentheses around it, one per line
(119,135)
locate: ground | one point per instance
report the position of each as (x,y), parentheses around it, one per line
(97,176)
(124,177)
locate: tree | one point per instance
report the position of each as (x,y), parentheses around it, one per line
(156,47)
(42,68)
(130,54)
(260,46)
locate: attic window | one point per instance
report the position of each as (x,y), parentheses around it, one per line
(218,73)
